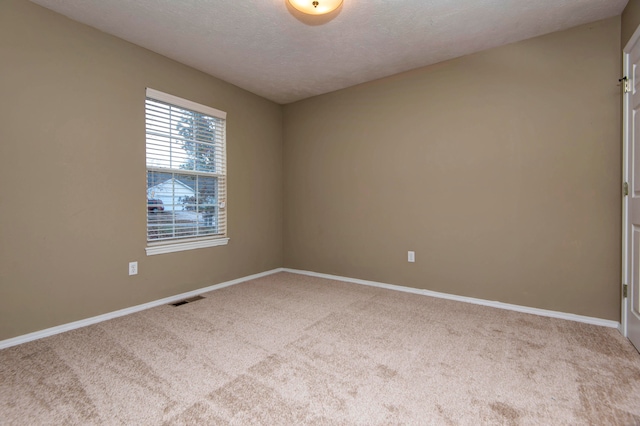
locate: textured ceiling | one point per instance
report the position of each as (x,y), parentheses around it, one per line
(269,48)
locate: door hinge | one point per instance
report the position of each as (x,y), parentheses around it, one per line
(624,290)
(625,189)
(626,84)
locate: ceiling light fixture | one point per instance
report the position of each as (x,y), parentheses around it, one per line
(316,7)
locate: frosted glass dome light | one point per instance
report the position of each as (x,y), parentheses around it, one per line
(316,7)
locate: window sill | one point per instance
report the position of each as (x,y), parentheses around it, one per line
(162,248)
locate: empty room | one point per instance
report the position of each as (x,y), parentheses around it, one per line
(319,212)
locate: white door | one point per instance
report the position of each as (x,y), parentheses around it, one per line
(631,305)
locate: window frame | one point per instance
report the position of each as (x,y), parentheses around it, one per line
(187,243)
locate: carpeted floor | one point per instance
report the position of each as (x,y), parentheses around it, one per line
(291,349)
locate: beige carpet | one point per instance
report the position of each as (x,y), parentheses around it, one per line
(290,349)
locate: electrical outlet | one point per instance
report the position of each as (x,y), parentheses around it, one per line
(411,256)
(133,268)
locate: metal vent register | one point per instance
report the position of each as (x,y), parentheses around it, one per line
(185,301)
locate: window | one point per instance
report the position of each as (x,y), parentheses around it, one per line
(186,174)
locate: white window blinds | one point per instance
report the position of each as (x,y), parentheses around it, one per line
(186,169)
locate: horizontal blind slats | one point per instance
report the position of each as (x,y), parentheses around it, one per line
(186,167)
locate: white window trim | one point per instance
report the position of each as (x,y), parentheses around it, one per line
(165,247)
(184,103)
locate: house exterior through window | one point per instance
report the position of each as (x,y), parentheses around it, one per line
(186,174)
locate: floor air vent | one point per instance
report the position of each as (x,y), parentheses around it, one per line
(185,301)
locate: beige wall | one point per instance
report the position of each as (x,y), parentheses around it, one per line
(630,20)
(72,174)
(500,169)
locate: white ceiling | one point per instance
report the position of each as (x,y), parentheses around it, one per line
(269,48)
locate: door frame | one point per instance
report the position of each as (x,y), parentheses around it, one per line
(626,276)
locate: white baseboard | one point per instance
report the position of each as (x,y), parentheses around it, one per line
(493,304)
(93,320)
(167,300)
